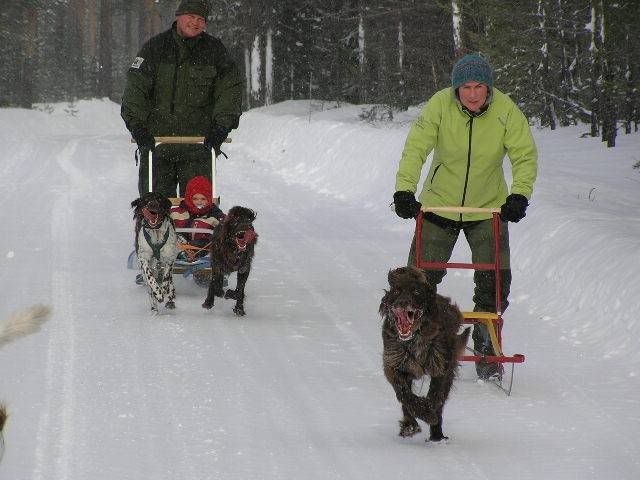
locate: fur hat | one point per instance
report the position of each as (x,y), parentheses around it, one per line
(198,185)
(194,7)
(471,68)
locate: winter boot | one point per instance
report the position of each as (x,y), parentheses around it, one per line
(482,346)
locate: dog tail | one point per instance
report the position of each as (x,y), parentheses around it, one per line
(23,323)
(462,340)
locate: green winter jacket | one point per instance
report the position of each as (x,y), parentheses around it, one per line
(179,86)
(468,153)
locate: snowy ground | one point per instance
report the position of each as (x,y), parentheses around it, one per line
(295,388)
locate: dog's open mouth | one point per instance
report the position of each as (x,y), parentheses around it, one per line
(405,318)
(151,216)
(244,238)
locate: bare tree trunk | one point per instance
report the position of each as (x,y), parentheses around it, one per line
(149,20)
(247,75)
(631,90)
(91,51)
(130,48)
(76,10)
(362,56)
(27,71)
(457,25)
(292,80)
(105,64)
(596,70)
(606,103)
(268,69)
(256,70)
(543,71)
(401,53)
(567,78)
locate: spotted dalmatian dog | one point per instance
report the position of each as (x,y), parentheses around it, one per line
(156,247)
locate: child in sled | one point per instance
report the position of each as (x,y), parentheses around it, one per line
(197,210)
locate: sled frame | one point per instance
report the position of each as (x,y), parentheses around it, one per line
(185,140)
(180,267)
(493,321)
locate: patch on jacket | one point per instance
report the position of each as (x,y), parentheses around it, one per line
(137,62)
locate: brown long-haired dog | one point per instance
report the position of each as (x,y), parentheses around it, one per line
(420,337)
(232,250)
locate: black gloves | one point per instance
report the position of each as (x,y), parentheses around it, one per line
(514,208)
(215,138)
(406,204)
(143,138)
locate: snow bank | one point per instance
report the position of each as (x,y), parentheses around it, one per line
(330,151)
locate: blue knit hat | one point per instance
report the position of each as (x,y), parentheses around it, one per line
(471,68)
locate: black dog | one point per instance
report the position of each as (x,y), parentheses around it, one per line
(156,246)
(420,337)
(232,250)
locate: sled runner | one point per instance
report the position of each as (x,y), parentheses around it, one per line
(193,260)
(493,321)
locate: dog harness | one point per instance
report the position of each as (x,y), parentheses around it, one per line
(156,247)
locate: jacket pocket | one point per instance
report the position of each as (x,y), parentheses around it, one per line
(200,85)
(433,176)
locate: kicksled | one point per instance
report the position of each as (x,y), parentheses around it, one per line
(493,321)
(194,259)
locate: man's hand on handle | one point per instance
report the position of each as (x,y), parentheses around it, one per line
(215,138)
(143,138)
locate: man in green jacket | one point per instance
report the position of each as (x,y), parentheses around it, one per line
(469,127)
(182,83)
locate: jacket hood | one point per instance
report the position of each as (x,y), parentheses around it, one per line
(198,185)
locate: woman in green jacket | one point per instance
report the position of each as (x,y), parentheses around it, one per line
(469,127)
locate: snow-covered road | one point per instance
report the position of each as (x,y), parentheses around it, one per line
(294,389)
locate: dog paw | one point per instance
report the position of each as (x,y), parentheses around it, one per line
(207,305)
(436,435)
(170,305)
(409,429)
(239,310)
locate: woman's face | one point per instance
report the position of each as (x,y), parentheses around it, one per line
(473,95)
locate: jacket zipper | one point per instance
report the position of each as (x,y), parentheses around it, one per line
(466,178)
(175,82)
